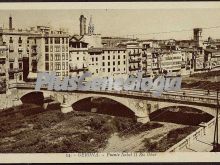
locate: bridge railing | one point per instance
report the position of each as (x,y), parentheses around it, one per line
(165,95)
(186,142)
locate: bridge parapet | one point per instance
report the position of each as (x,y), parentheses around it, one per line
(166,96)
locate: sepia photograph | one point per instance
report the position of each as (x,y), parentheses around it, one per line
(82,79)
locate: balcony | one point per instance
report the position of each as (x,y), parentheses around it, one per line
(34,58)
(144,55)
(135,60)
(77,69)
(33,45)
(2,73)
(14,70)
(34,53)
(134,54)
(134,68)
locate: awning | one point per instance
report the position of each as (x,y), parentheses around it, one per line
(32,75)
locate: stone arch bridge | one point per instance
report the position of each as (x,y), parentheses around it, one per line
(142,104)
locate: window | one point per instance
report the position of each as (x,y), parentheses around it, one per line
(57,40)
(63,65)
(103,57)
(19,40)
(57,73)
(51,40)
(92,59)
(67,56)
(63,48)
(118,56)
(51,66)
(11,66)
(51,57)
(57,49)
(20,77)
(11,76)
(119,51)
(51,48)
(63,56)
(108,52)
(113,62)
(114,57)
(62,40)
(77,58)
(46,66)
(46,40)
(113,69)
(10,41)
(46,49)
(96,58)
(103,63)
(46,57)
(118,62)
(57,57)
(20,65)
(124,62)
(108,57)
(108,63)
(97,70)
(108,69)
(20,55)
(57,66)
(124,56)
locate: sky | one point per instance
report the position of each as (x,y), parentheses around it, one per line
(122,22)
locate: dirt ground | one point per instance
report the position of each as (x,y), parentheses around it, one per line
(54,132)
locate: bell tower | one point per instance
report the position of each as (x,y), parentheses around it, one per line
(91,27)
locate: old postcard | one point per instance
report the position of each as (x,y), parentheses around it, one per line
(109,82)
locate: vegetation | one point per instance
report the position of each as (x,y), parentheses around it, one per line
(170,139)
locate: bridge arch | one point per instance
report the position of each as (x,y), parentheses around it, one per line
(209,110)
(103,105)
(33,97)
(136,105)
(181,115)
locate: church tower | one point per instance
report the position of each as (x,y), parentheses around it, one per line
(82,20)
(90,27)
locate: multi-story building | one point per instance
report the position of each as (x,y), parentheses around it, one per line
(49,51)
(212,59)
(79,57)
(171,61)
(114,62)
(134,51)
(95,60)
(3,66)
(17,41)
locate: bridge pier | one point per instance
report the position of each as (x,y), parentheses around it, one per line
(143,119)
(16,102)
(66,108)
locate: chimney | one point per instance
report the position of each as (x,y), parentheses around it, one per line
(10,23)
